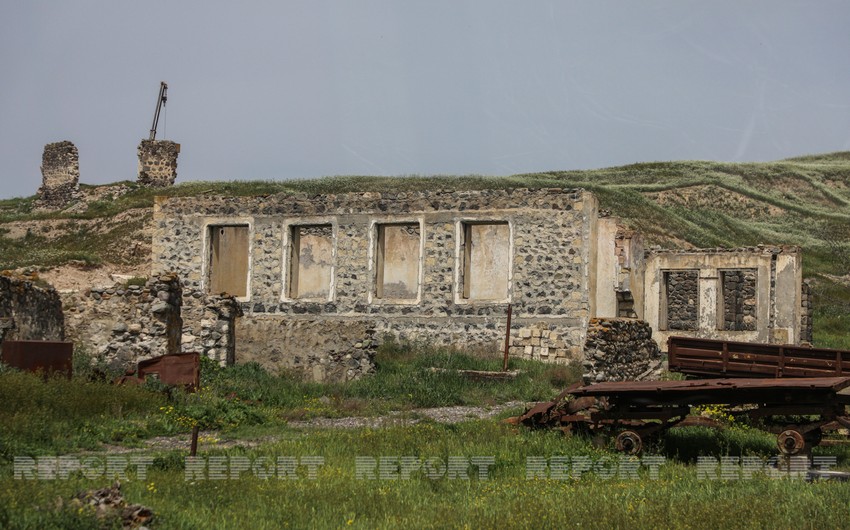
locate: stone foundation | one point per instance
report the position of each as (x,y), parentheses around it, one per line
(157,163)
(328,351)
(620,349)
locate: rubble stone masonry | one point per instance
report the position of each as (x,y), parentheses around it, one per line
(29,311)
(158,163)
(545,264)
(122,325)
(620,349)
(60,171)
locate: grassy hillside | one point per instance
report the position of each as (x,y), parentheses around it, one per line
(801,201)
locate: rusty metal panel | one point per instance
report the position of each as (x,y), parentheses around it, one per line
(173,369)
(623,387)
(229,247)
(707,357)
(39,355)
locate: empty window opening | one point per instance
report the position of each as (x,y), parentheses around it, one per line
(228,260)
(680,301)
(311,261)
(738,300)
(398,261)
(625,305)
(486,261)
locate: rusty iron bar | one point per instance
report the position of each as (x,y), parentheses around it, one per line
(507,340)
(193,449)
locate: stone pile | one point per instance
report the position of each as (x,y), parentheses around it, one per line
(109,504)
(620,349)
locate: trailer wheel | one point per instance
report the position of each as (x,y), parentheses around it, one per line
(790,442)
(629,442)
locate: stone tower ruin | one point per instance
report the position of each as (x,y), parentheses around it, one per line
(158,163)
(60,173)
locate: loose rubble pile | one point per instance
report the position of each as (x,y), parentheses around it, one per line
(620,349)
(108,503)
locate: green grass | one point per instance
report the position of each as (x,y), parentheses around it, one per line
(246,404)
(506,499)
(81,414)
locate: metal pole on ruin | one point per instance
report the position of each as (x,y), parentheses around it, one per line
(507,340)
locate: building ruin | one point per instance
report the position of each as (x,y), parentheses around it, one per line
(157,163)
(321,279)
(60,173)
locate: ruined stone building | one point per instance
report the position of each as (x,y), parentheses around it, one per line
(319,279)
(157,163)
(60,172)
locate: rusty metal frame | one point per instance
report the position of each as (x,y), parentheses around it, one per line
(720,358)
(644,408)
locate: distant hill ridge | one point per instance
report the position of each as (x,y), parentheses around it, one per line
(802,201)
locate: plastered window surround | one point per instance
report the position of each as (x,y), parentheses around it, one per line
(309,258)
(483,260)
(217,224)
(392,242)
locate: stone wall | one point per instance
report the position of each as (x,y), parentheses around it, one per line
(806,313)
(751,294)
(215,317)
(60,172)
(157,163)
(620,349)
(331,350)
(548,255)
(682,300)
(543,342)
(739,299)
(29,311)
(125,324)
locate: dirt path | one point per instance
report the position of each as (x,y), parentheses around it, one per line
(211,439)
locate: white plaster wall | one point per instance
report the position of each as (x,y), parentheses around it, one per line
(606,268)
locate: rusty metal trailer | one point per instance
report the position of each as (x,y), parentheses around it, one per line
(632,411)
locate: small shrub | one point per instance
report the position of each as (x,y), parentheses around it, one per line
(139,281)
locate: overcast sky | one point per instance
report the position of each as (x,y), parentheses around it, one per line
(302,89)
